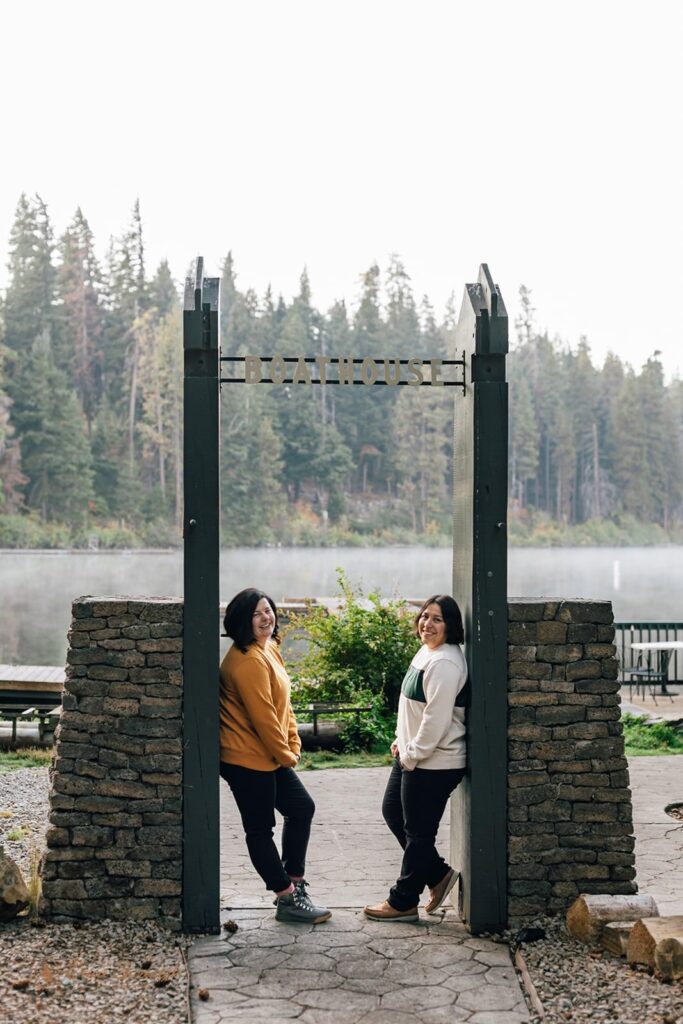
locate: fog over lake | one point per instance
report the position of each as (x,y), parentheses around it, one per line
(36,588)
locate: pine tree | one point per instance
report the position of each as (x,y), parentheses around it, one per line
(251,488)
(11,477)
(402,335)
(80,332)
(523,440)
(421,432)
(56,454)
(126,299)
(30,300)
(162,292)
(161,376)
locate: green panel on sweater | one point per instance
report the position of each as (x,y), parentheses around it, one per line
(412,687)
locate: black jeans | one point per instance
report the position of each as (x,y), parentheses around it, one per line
(258,795)
(413,806)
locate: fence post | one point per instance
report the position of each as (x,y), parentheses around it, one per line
(201,600)
(479,806)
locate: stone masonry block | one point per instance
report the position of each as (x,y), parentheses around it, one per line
(593,612)
(551,632)
(559,653)
(520,610)
(522,633)
(582,632)
(529,670)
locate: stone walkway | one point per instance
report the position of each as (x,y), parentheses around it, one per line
(656,782)
(349,969)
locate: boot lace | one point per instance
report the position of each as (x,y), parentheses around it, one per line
(301,897)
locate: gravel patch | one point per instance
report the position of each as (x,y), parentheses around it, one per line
(24,810)
(103,971)
(94,973)
(585,986)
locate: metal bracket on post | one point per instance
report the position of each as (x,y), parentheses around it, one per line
(201,601)
(479,812)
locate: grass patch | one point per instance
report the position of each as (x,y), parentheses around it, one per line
(16,834)
(25,757)
(646,738)
(314,759)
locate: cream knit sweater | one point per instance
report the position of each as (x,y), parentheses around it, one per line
(430,731)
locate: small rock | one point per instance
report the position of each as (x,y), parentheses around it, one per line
(14,896)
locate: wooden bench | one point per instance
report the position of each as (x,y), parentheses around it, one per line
(31,691)
(323,708)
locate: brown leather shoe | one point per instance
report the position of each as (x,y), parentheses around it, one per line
(439,893)
(385,912)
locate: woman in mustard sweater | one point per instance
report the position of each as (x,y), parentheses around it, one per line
(259,748)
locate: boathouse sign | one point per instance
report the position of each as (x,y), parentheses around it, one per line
(347,370)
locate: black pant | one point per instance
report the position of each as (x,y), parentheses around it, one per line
(413,806)
(258,795)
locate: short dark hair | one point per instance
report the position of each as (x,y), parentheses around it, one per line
(238,617)
(455,634)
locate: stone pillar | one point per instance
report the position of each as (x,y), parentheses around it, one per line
(570,821)
(114,846)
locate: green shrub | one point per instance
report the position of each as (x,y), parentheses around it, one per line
(651,737)
(361,652)
(373,730)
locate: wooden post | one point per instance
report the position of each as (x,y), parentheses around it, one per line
(200,629)
(479,807)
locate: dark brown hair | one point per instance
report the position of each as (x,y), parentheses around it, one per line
(455,633)
(239,614)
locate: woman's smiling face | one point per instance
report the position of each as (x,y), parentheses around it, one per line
(263,622)
(431,626)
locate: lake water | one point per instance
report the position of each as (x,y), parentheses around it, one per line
(36,588)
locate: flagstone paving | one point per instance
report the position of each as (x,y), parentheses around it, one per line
(349,969)
(656,782)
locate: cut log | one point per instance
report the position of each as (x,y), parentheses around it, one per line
(588,915)
(669,959)
(648,933)
(615,937)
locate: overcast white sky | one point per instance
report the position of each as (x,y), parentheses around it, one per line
(541,137)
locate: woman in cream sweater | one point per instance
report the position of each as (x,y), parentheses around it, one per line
(259,747)
(430,758)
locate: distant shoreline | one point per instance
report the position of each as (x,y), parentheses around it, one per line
(61,552)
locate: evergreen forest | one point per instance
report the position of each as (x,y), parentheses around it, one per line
(91,413)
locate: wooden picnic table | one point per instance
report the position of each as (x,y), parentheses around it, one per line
(30,690)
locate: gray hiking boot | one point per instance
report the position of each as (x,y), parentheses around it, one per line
(298,908)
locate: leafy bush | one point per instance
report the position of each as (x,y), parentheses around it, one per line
(373,730)
(651,737)
(361,652)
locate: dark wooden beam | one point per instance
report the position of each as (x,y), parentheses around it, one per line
(200,632)
(479,806)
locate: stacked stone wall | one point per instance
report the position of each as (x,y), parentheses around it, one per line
(114,845)
(570,821)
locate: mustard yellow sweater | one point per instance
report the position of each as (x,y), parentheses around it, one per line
(257,725)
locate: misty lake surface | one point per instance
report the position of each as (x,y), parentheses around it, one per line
(37,587)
